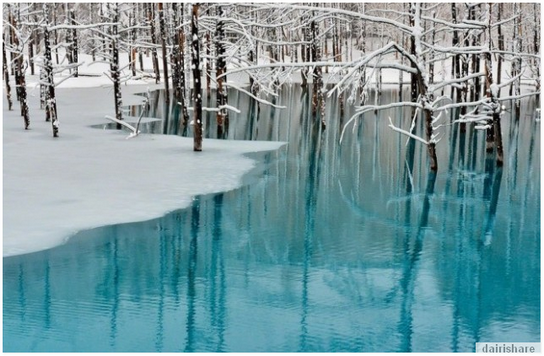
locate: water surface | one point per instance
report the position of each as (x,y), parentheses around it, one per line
(326,247)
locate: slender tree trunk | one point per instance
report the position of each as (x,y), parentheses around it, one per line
(183,96)
(56,32)
(75,45)
(413,77)
(197,111)
(456,65)
(536,43)
(132,49)
(30,47)
(92,41)
(154,58)
(140,51)
(101,7)
(431,53)
(6,76)
(209,53)
(501,46)
(115,73)
(494,134)
(221,68)
(174,55)
(162,26)
(20,79)
(51,103)
(317,101)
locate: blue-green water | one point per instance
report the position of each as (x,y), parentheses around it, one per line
(326,247)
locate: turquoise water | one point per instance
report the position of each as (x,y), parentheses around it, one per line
(326,247)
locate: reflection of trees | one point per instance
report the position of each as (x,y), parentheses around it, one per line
(311,190)
(191,278)
(364,243)
(411,260)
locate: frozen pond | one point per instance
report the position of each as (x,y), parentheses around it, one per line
(326,247)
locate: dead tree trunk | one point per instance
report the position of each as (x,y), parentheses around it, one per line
(221,68)
(536,42)
(456,60)
(197,110)
(20,80)
(317,97)
(51,103)
(174,55)
(115,73)
(516,61)
(182,81)
(154,58)
(6,76)
(494,134)
(162,28)
(209,53)
(75,44)
(501,46)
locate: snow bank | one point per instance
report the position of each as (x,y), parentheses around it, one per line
(90,177)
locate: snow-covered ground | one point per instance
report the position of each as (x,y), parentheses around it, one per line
(90,177)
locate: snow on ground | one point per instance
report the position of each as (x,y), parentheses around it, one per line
(90,177)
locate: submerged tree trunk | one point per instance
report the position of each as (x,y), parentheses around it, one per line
(317,97)
(494,134)
(500,40)
(536,43)
(197,110)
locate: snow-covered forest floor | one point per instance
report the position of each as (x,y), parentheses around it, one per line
(90,177)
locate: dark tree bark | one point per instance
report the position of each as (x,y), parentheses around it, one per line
(536,43)
(221,67)
(162,28)
(75,46)
(51,103)
(197,111)
(413,77)
(6,76)
(174,56)
(140,52)
(154,58)
(494,135)
(317,97)
(20,80)
(516,61)
(115,73)
(182,80)
(30,47)
(476,89)
(209,53)
(501,46)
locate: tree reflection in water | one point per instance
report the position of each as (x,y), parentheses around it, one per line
(327,247)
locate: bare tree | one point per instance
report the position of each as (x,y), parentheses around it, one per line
(197,109)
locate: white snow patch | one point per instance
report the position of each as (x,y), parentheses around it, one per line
(55,187)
